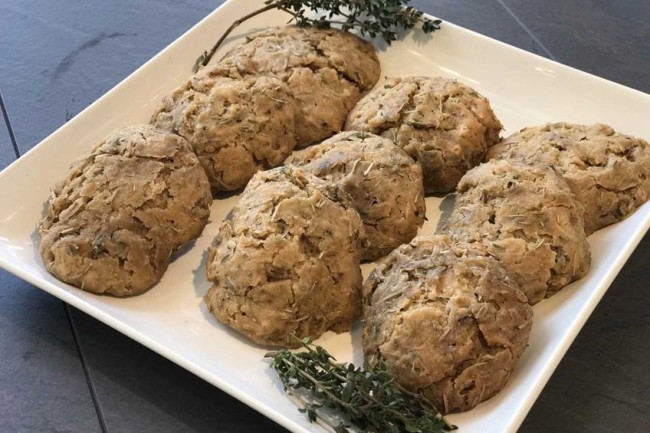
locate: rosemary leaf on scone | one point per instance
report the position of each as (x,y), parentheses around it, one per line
(383,18)
(367,400)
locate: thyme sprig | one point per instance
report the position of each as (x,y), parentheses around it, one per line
(384,18)
(369,400)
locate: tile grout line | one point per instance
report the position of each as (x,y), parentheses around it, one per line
(527,30)
(10,129)
(86,370)
(66,307)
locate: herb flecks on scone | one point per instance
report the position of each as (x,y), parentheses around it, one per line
(443,124)
(123,209)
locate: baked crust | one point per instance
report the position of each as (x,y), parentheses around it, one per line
(285,264)
(444,125)
(608,172)
(446,319)
(385,185)
(112,224)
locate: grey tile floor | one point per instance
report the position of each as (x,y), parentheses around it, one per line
(62,371)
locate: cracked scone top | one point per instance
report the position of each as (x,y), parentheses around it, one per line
(327,70)
(444,125)
(446,319)
(236,126)
(527,217)
(385,185)
(285,262)
(608,172)
(122,210)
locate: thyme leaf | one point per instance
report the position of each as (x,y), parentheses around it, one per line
(369,400)
(374,18)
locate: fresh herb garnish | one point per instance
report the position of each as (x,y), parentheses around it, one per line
(369,400)
(384,18)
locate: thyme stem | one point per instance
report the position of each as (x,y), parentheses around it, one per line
(369,400)
(370,17)
(204,58)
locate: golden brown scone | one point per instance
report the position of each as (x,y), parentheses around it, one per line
(122,210)
(327,70)
(285,263)
(446,319)
(527,217)
(444,125)
(236,126)
(608,172)
(384,182)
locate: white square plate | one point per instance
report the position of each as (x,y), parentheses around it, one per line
(172,320)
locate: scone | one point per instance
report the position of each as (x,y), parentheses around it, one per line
(444,125)
(446,319)
(327,70)
(122,210)
(236,126)
(385,185)
(608,172)
(527,217)
(285,264)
